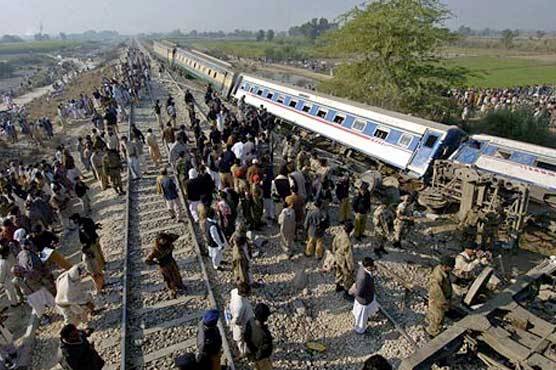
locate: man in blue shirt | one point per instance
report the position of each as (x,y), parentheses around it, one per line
(168,189)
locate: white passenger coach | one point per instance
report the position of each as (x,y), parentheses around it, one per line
(407,143)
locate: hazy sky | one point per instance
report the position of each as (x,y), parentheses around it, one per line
(133,16)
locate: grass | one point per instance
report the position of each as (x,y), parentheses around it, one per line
(492,67)
(36,46)
(507,71)
(248,48)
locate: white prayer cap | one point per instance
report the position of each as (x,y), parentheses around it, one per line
(193,173)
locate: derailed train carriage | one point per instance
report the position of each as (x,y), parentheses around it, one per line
(412,145)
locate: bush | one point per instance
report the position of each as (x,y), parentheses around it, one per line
(6,70)
(519,125)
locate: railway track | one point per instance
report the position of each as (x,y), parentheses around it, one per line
(156,327)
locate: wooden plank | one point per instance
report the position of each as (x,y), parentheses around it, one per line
(527,339)
(539,361)
(500,340)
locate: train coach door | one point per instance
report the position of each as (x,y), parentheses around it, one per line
(424,153)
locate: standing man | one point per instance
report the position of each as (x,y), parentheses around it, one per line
(216,239)
(112,167)
(242,313)
(162,255)
(365,304)
(343,255)
(157,109)
(342,193)
(403,217)
(361,207)
(316,223)
(77,352)
(259,339)
(286,220)
(168,189)
(132,153)
(382,218)
(440,294)
(209,341)
(154,150)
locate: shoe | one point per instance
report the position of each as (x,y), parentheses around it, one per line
(339,288)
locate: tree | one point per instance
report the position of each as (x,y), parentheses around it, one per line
(63,36)
(520,125)
(508,38)
(260,35)
(392,57)
(11,38)
(6,70)
(270,35)
(540,34)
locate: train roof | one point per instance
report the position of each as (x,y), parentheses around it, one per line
(400,120)
(206,59)
(211,58)
(542,151)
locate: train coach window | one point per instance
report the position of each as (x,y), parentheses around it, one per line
(215,74)
(358,125)
(431,140)
(293,103)
(260,92)
(280,99)
(502,154)
(546,166)
(269,95)
(405,140)
(381,134)
(253,89)
(306,108)
(339,119)
(322,113)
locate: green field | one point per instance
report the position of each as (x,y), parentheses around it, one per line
(37,46)
(492,67)
(507,71)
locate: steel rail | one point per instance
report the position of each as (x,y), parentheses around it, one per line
(225,345)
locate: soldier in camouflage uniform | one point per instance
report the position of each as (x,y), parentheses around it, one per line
(403,216)
(382,220)
(440,294)
(112,167)
(343,256)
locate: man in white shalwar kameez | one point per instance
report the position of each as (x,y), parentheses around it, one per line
(241,313)
(365,304)
(73,296)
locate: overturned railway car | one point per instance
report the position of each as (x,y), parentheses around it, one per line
(205,67)
(407,143)
(530,164)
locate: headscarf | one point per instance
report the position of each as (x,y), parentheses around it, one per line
(70,290)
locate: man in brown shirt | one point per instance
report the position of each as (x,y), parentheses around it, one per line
(168,134)
(297,202)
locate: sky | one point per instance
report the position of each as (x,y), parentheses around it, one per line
(136,16)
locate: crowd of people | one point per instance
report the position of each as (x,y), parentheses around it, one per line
(237,182)
(42,204)
(540,99)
